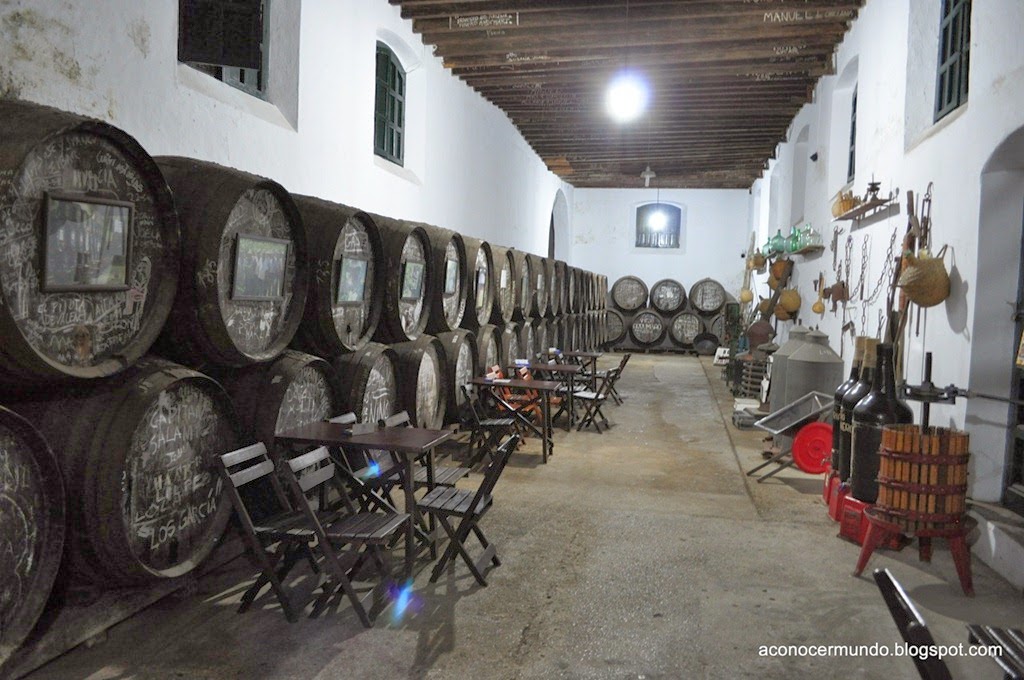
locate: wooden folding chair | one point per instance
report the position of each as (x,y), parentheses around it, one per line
(365,475)
(612,392)
(365,534)
(276,542)
(484,433)
(468,507)
(912,627)
(444,475)
(593,401)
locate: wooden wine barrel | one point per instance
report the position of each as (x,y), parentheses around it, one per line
(541,335)
(668,296)
(549,284)
(559,288)
(137,455)
(629,294)
(707,296)
(343,306)
(716,326)
(31,528)
(524,291)
(422,392)
(647,328)
(570,333)
(922,477)
(82,304)
(540,286)
(588,291)
(527,339)
(369,387)
(502,278)
(449,271)
(509,348)
(617,326)
(293,390)
(602,293)
(461,359)
(244,269)
(479,288)
(488,346)
(572,289)
(409,284)
(684,327)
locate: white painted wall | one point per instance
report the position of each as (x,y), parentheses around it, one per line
(894,46)
(714,235)
(467,167)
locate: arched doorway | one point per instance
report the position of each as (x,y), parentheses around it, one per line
(998,455)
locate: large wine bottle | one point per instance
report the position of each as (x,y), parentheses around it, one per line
(850,399)
(837,403)
(881,406)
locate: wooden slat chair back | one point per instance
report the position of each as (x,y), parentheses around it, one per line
(277,541)
(468,507)
(912,627)
(363,533)
(484,433)
(612,390)
(362,472)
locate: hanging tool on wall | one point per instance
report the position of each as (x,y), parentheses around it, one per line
(924,241)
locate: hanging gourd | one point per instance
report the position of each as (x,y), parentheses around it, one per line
(924,278)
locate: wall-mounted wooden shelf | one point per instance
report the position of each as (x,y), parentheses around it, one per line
(808,250)
(869,208)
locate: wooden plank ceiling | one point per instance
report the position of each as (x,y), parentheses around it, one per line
(727,77)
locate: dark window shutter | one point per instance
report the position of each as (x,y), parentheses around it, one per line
(220,32)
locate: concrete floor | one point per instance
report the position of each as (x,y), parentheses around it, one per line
(641,553)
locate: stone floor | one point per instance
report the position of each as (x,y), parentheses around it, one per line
(641,553)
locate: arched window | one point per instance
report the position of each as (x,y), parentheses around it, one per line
(389,107)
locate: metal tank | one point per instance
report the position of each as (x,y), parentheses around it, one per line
(778,361)
(814,366)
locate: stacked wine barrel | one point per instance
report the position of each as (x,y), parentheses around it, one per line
(664,316)
(157,313)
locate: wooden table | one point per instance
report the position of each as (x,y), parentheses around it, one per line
(544,387)
(567,372)
(586,359)
(408,443)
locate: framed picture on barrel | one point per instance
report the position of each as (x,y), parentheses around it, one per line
(412,279)
(351,281)
(86,243)
(260,263)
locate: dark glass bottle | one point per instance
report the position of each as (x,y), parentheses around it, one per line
(850,399)
(837,403)
(881,406)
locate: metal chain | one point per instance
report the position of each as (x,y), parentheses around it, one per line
(865,246)
(886,274)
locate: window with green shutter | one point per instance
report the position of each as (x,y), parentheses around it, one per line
(389,107)
(954,50)
(226,39)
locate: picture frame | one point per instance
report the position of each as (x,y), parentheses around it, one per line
(351,281)
(412,280)
(86,243)
(451,277)
(259,267)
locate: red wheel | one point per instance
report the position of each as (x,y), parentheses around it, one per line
(812,448)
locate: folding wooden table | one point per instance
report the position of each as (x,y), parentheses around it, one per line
(543,387)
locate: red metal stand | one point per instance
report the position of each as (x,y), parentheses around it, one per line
(881,529)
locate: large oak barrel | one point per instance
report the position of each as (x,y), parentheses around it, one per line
(369,387)
(460,353)
(343,305)
(684,327)
(244,269)
(509,348)
(523,285)
(542,339)
(647,328)
(572,289)
(716,326)
(421,380)
(294,390)
(668,296)
(488,345)
(480,288)
(409,286)
(528,339)
(540,285)
(549,283)
(504,285)
(602,292)
(615,331)
(137,453)
(629,294)
(707,296)
(448,260)
(91,297)
(31,528)
(560,288)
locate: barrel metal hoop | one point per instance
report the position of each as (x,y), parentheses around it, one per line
(930,489)
(924,458)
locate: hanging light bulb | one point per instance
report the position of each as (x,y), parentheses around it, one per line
(627,97)
(658,220)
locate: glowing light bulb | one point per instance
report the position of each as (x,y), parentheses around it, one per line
(626,98)
(657,221)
